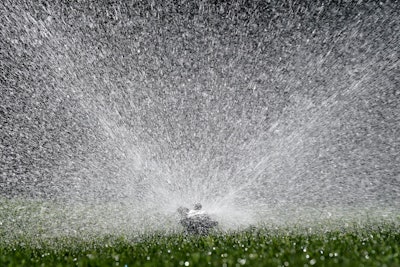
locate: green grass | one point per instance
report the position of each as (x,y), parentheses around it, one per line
(40,233)
(377,245)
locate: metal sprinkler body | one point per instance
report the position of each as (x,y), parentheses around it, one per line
(196,221)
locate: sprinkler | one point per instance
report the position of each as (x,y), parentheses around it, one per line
(196,221)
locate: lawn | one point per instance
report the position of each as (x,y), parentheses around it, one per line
(377,245)
(43,233)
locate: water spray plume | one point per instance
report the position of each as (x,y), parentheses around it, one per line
(112,117)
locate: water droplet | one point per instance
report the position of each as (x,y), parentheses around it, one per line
(242,261)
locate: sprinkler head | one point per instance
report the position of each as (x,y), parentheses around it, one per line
(197,206)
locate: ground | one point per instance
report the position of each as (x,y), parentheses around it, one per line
(374,245)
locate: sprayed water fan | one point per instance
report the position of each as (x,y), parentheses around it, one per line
(271,113)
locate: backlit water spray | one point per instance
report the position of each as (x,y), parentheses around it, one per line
(275,113)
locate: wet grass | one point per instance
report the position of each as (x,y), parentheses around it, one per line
(365,246)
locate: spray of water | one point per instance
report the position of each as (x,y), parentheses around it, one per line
(114,116)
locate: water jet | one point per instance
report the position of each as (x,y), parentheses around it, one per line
(113,116)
